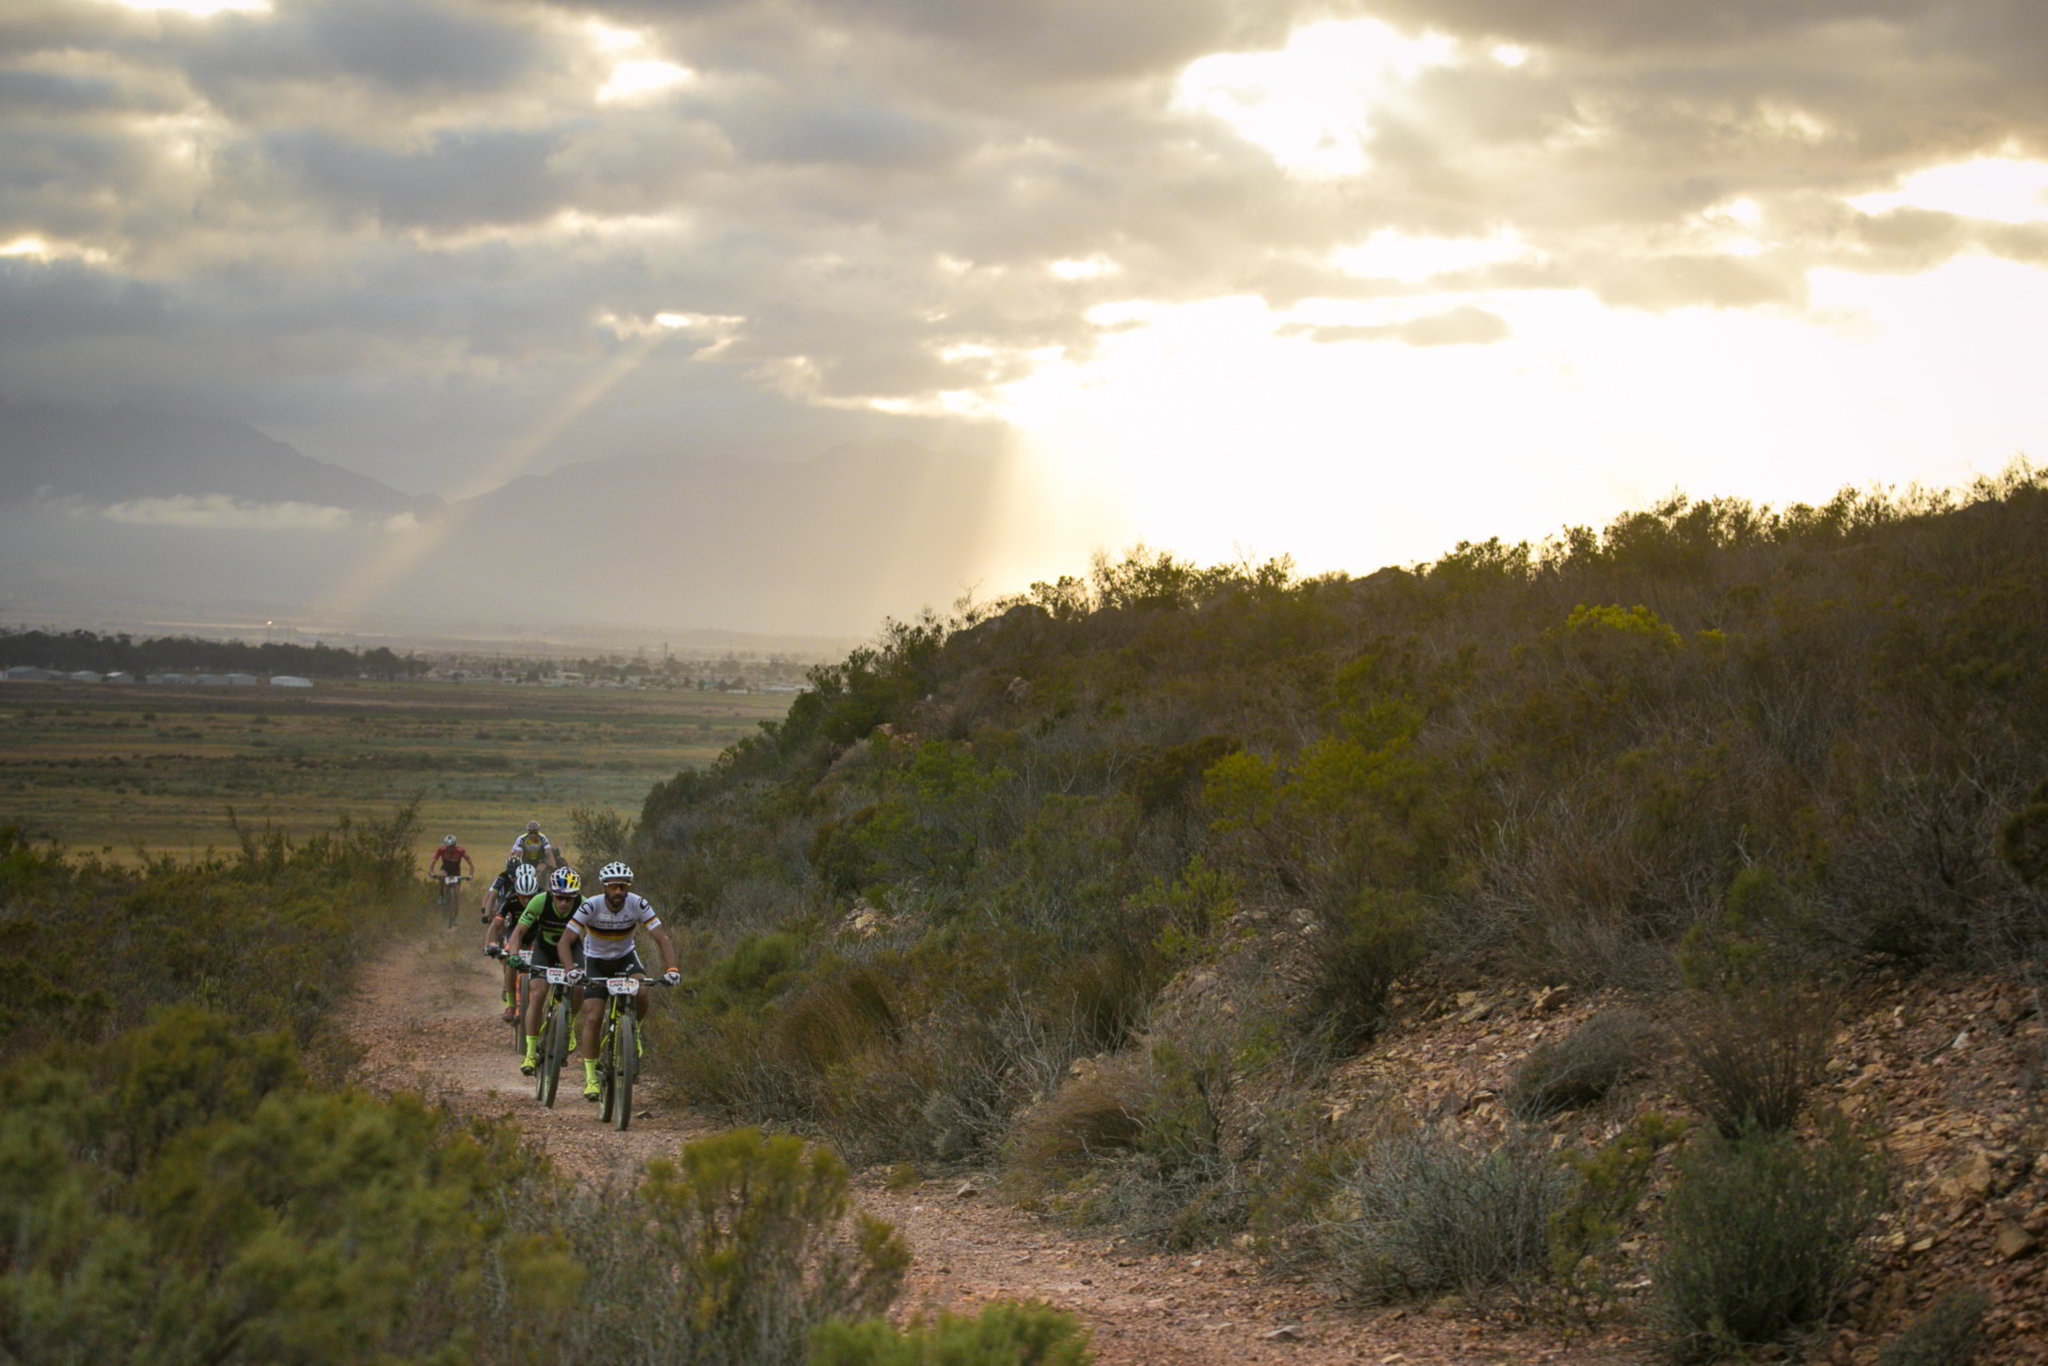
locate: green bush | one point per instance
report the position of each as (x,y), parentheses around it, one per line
(765,1247)
(1603,1208)
(1763,1235)
(1027,1334)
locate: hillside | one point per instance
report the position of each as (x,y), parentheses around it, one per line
(122,455)
(1129,887)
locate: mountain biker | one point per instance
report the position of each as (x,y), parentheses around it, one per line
(449,859)
(535,847)
(600,935)
(546,915)
(525,885)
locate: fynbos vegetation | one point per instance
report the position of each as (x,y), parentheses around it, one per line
(1713,747)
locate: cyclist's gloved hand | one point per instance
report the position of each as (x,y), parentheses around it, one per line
(575,976)
(492,950)
(671,977)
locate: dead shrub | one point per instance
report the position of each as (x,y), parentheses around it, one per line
(1950,1333)
(1584,1066)
(1752,1059)
(1096,1112)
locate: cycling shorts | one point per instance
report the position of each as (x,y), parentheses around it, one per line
(629,966)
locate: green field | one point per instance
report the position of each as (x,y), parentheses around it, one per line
(123,768)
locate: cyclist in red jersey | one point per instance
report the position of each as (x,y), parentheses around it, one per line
(449,860)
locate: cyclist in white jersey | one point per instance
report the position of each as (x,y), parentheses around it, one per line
(600,936)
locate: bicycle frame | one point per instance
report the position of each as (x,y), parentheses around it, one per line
(618,1051)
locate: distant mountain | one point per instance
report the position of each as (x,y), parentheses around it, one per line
(829,545)
(122,455)
(137,511)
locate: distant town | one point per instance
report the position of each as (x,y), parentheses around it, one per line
(87,657)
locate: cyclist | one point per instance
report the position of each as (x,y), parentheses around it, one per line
(545,916)
(600,935)
(510,901)
(449,860)
(535,847)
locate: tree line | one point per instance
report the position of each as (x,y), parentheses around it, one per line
(69,651)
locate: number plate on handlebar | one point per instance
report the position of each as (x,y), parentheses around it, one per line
(451,881)
(624,986)
(558,977)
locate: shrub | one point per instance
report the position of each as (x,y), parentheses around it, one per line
(1753,1059)
(1433,1211)
(1359,956)
(1093,1114)
(1763,1234)
(1950,1333)
(1585,1065)
(765,1248)
(1604,1205)
(1027,1334)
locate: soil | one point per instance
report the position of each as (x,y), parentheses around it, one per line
(1975,1195)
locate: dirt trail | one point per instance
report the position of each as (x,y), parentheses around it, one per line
(436,1032)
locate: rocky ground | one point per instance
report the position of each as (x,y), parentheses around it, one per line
(1952,1072)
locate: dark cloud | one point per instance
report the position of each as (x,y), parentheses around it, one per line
(421,211)
(51,94)
(457,179)
(405,48)
(65,301)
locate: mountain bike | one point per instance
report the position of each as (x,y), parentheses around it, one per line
(556,1025)
(522,978)
(618,1046)
(448,897)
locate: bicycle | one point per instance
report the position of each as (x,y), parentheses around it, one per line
(522,977)
(618,1046)
(447,897)
(556,1026)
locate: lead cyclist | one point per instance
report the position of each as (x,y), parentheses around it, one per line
(600,935)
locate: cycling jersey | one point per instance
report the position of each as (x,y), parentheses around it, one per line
(533,848)
(540,915)
(451,856)
(607,933)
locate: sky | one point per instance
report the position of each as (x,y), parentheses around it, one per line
(1232,278)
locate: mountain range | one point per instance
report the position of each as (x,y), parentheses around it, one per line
(136,515)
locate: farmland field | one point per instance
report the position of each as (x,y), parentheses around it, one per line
(118,769)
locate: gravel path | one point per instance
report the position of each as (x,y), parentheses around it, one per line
(436,1033)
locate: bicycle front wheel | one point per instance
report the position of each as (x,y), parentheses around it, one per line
(554,1047)
(520,989)
(625,1062)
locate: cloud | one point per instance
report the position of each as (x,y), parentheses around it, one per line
(219,512)
(1461,326)
(411,228)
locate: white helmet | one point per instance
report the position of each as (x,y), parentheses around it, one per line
(526,882)
(615,872)
(449,840)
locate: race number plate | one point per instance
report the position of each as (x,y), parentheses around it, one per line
(625,986)
(558,977)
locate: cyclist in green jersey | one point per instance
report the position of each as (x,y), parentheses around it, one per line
(544,919)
